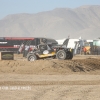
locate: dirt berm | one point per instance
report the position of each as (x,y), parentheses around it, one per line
(51,66)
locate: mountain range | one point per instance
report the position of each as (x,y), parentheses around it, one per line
(58,23)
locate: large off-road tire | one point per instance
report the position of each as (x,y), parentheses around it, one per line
(61,54)
(31,57)
(69,55)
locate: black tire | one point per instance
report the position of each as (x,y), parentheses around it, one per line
(31,57)
(69,55)
(61,54)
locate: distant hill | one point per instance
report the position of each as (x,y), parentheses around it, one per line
(59,23)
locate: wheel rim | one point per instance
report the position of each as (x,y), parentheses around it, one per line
(61,55)
(31,58)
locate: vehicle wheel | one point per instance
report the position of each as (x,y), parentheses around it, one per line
(61,54)
(31,57)
(69,55)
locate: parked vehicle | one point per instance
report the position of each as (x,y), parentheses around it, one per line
(13,43)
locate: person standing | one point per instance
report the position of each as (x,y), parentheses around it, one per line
(26,50)
(84,49)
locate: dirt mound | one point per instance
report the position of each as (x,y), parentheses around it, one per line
(49,66)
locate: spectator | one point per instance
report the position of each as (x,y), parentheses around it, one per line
(27,47)
(84,49)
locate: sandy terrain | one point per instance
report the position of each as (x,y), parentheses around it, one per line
(50,79)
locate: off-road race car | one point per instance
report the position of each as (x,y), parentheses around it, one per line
(46,48)
(48,51)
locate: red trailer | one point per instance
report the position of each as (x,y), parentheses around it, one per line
(13,43)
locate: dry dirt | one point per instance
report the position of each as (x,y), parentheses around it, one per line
(50,79)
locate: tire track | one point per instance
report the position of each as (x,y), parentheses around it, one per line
(5,83)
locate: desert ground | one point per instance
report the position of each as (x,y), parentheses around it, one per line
(50,79)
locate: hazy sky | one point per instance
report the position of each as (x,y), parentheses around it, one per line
(34,6)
